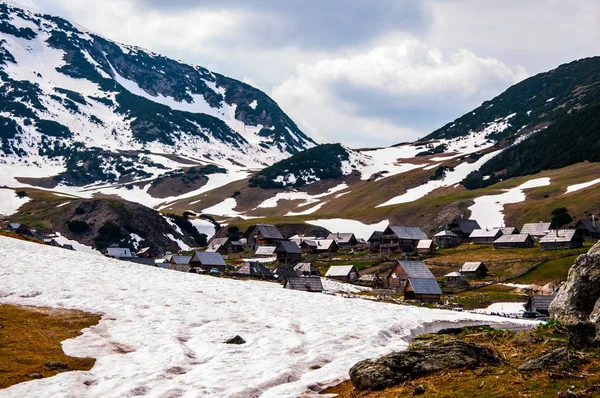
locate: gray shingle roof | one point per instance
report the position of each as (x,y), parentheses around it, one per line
(375,236)
(265,251)
(255,269)
(288,247)
(508,230)
(542,302)
(515,238)
(304,283)
(561,235)
(416,269)
(408,233)
(425,286)
(305,267)
(182,260)
(339,270)
(216,243)
(424,244)
(139,260)
(269,231)
(485,233)
(207,258)
(536,228)
(471,266)
(446,233)
(465,226)
(118,252)
(341,237)
(589,225)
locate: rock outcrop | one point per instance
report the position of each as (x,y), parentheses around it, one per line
(419,359)
(554,359)
(577,304)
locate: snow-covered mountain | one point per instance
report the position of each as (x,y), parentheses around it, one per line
(84,110)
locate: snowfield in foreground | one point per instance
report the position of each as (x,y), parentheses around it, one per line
(172,326)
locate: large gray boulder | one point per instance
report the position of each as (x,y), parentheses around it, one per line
(577,304)
(419,359)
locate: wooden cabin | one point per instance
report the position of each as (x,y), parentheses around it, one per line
(306,269)
(311,284)
(219,245)
(446,239)
(148,252)
(265,251)
(589,230)
(264,235)
(484,236)
(288,253)
(117,252)
(454,279)
(463,228)
(342,273)
(536,230)
(425,246)
(401,239)
(318,246)
(403,270)
(540,304)
(561,239)
(475,269)
(374,241)
(254,269)
(517,241)
(422,289)
(344,240)
(207,261)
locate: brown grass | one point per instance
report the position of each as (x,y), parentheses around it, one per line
(30,336)
(503,380)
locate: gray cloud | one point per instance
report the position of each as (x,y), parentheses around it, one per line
(312,24)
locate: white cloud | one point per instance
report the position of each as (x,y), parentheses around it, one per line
(385,93)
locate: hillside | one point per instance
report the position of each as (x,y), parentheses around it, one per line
(78,109)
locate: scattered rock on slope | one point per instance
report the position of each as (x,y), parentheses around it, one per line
(419,359)
(577,304)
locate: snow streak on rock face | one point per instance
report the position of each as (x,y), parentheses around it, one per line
(163,332)
(93,111)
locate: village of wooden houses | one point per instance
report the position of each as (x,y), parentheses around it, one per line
(506,271)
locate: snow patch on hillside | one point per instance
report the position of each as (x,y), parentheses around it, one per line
(452,177)
(10,202)
(577,187)
(488,210)
(174,325)
(297,195)
(203,226)
(341,225)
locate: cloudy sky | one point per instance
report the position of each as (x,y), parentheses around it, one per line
(361,72)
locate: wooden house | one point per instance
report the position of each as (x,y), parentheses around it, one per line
(319,246)
(536,230)
(561,239)
(515,241)
(342,273)
(148,252)
(265,251)
(508,230)
(264,235)
(52,242)
(425,246)
(588,229)
(374,241)
(207,261)
(21,229)
(288,253)
(140,260)
(454,279)
(475,269)
(306,269)
(540,304)
(311,284)
(415,280)
(219,245)
(254,269)
(236,246)
(401,239)
(446,239)
(344,240)
(484,236)
(463,228)
(179,263)
(117,252)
